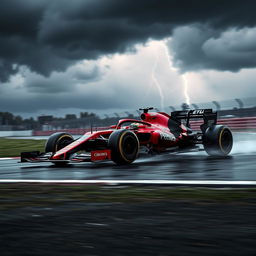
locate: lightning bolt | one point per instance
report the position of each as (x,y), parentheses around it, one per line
(155,81)
(185,83)
(183,76)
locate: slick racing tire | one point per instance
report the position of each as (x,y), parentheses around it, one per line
(58,141)
(124,146)
(218,140)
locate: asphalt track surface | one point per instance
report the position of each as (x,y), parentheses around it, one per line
(169,227)
(240,165)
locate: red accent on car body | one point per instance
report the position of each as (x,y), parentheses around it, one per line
(61,154)
(154,123)
(156,118)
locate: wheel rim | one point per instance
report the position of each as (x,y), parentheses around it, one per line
(129,146)
(226,141)
(63,143)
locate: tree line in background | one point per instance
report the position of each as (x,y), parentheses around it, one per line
(9,119)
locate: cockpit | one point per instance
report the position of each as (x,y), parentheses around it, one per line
(132,124)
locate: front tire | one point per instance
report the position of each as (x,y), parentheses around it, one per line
(218,140)
(124,146)
(56,142)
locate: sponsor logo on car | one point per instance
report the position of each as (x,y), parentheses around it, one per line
(198,112)
(166,136)
(100,154)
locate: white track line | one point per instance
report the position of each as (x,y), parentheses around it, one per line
(10,158)
(139,182)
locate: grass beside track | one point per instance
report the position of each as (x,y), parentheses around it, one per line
(13,196)
(13,147)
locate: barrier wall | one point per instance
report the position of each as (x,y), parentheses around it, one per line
(75,131)
(235,124)
(16,133)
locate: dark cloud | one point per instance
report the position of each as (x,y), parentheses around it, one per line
(88,76)
(55,84)
(50,35)
(232,50)
(28,104)
(198,47)
(38,98)
(61,82)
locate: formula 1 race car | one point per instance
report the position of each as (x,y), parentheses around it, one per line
(155,132)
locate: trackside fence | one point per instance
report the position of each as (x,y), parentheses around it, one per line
(235,124)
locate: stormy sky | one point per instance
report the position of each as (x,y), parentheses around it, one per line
(98,55)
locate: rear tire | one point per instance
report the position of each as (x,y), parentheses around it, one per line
(124,146)
(56,142)
(218,140)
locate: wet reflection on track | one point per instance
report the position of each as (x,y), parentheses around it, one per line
(172,167)
(241,165)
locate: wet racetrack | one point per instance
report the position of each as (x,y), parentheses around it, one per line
(240,165)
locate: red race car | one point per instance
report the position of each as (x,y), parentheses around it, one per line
(155,132)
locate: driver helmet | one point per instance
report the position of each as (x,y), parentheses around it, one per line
(134,126)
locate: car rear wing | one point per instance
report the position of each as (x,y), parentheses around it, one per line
(209,117)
